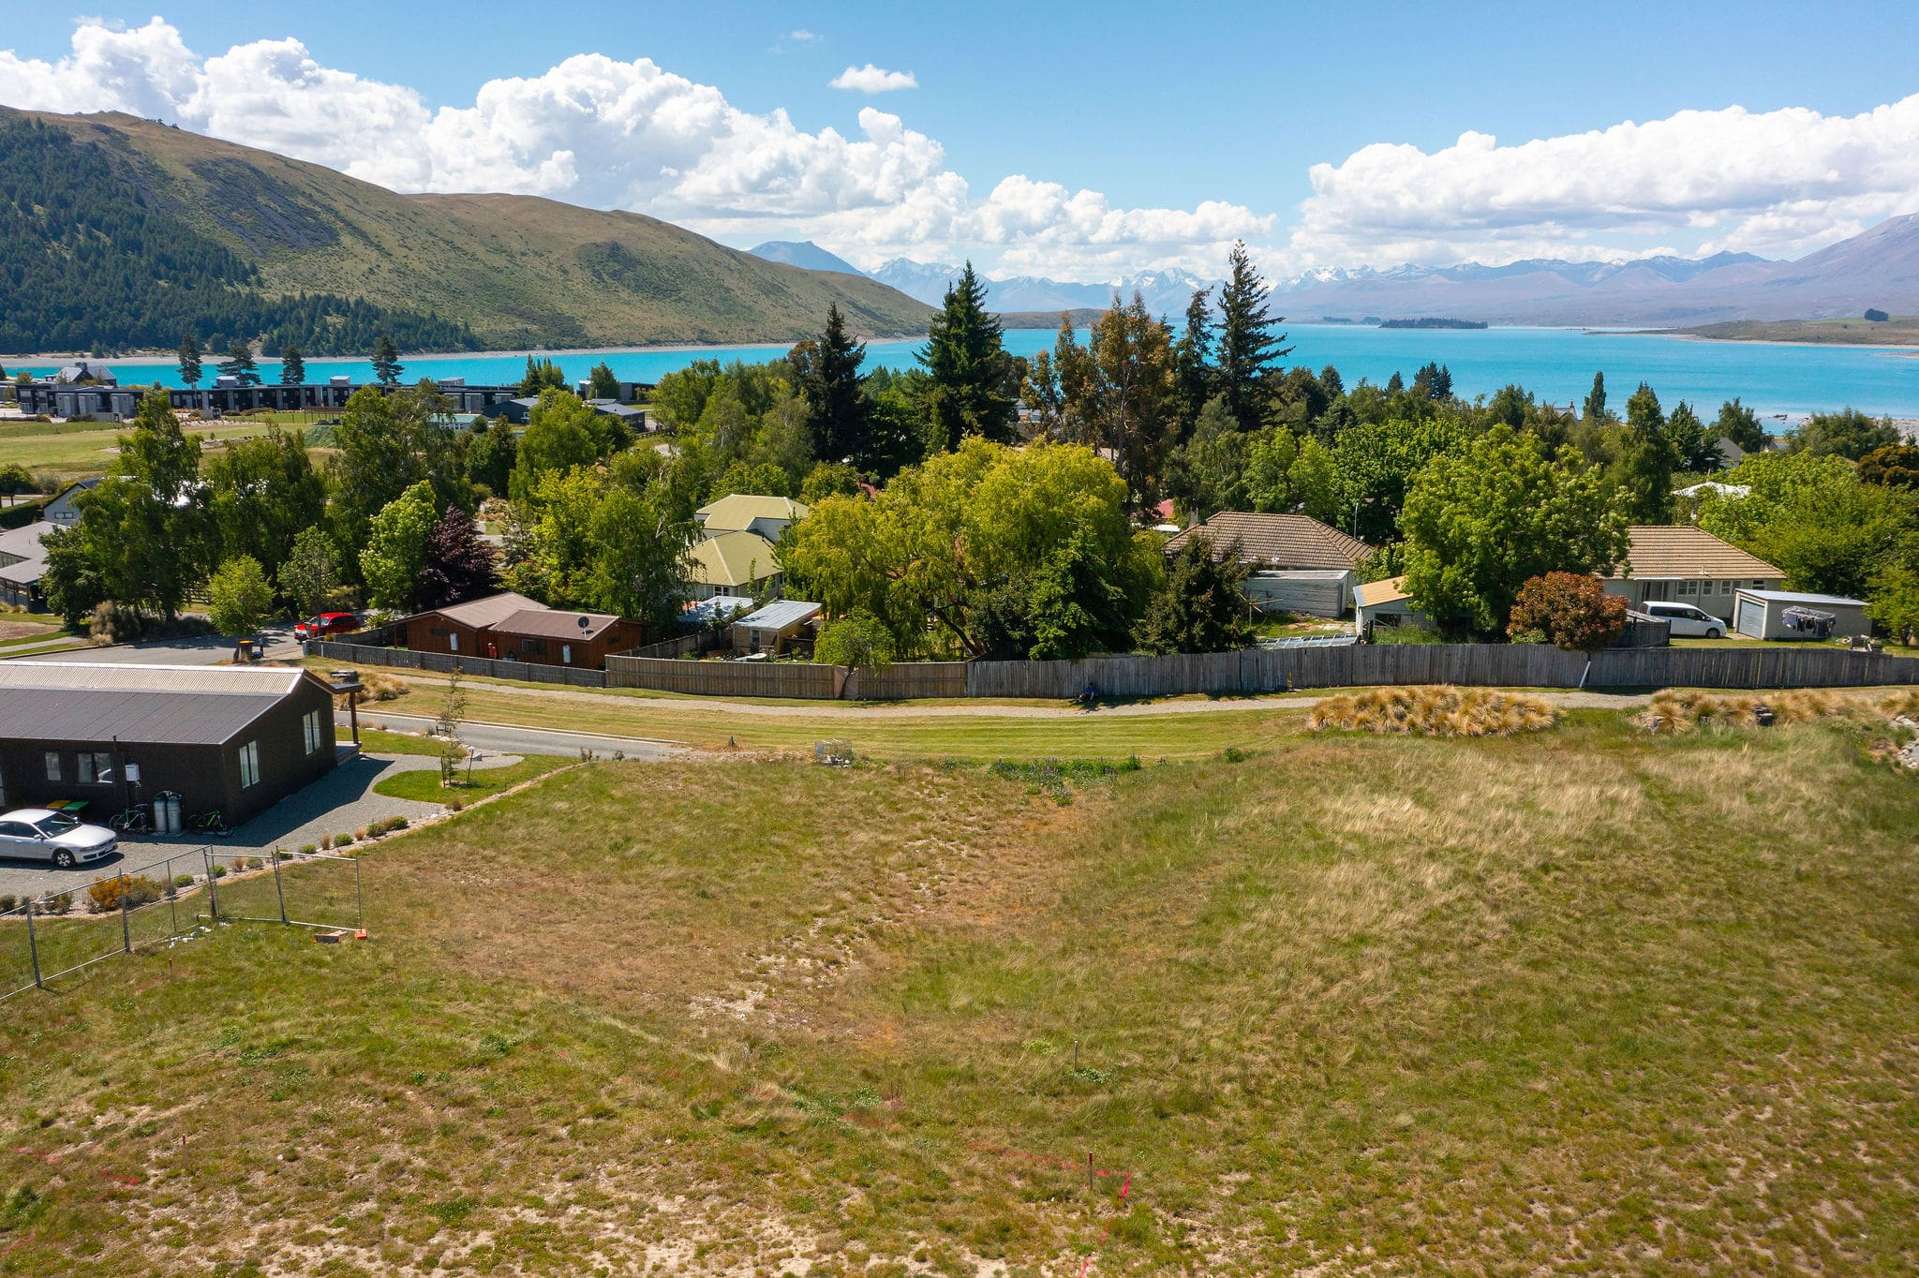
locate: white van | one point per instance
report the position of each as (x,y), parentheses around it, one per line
(1687,622)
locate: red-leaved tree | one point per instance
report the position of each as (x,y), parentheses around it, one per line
(1569,610)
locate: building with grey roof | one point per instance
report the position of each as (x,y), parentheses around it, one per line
(233,738)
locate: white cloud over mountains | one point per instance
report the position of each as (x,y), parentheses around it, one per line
(598,131)
(872,79)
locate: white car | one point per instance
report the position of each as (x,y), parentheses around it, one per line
(40,834)
(1687,622)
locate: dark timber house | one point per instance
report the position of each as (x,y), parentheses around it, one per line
(233,738)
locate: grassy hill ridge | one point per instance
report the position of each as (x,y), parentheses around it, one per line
(515,270)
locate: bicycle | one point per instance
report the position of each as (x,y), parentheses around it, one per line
(134,820)
(209,822)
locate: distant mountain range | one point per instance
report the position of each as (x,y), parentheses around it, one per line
(804,254)
(157,230)
(1878,268)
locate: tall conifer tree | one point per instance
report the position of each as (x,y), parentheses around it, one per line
(973,377)
(1247,343)
(837,407)
(190,370)
(293,366)
(1193,362)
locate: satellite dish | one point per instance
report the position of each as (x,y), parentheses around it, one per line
(586,623)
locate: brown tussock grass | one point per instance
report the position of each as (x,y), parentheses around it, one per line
(1686,710)
(1442,711)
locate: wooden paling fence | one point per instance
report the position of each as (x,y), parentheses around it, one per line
(1255,670)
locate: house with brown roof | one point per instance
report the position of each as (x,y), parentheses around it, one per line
(458,629)
(1297,563)
(555,637)
(1688,565)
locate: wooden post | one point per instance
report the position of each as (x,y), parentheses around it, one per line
(1089,1171)
(33,947)
(126,928)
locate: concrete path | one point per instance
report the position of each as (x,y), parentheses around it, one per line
(505,737)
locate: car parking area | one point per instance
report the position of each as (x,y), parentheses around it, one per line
(343,799)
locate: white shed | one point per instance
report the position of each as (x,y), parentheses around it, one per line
(1385,603)
(1787,614)
(1317,592)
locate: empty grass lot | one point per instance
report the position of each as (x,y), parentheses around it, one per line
(75,450)
(1584,1001)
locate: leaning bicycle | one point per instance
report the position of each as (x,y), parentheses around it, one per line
(134,820)
(209,822)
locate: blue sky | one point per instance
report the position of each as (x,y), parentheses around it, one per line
(1155,111)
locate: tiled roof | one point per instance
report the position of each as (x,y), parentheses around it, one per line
(731,514)
(732,559)
(1277,541)
(1661,552)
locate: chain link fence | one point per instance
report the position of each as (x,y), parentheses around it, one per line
(60,933)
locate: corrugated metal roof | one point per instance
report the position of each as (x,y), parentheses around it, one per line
(1795,597)
(488,610)
(732,559)
(1278,541)
(552,623)
(739,510)
(161,705)
(779,614)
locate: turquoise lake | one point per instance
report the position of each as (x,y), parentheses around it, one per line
(1556,364)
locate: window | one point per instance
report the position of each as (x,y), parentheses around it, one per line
(249,764)
(96,769)
(566,654)
(313,728)
(53,765)
(452,641)
(1687,589)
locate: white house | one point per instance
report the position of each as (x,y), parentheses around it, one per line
(1688,565)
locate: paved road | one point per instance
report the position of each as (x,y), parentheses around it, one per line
(202,650)
(501,738)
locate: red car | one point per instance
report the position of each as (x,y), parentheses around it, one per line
(327,623)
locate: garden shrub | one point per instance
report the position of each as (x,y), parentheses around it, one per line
(1569,610)
(137,889)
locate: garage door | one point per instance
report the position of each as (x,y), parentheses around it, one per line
(1752,618)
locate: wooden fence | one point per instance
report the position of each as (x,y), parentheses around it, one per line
(1255,670)
(700,641)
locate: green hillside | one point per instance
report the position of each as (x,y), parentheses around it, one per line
(169,228)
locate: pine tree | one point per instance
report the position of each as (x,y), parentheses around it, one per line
(837,407)
(293,366)
(1193,362)
(386,361)
(239,363)
(973,379)
(190,370)
(1247,343)
(1596,400)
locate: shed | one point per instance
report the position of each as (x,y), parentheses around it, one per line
(1385,603)
(1317,592)
(233,738)
(1788,614)
(554,637)
(773,629)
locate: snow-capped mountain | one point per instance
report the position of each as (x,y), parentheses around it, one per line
(1164,291)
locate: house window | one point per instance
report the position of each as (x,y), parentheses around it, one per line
(95,769)
(1687,588)
(314,730)
(53,765)
(452,642)
(249,764)
(566,654)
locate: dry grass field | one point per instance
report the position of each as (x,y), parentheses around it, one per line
(1591,1000)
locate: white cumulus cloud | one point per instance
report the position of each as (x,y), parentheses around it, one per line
(1775,182)
(872,79)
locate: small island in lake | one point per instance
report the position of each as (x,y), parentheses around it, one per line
(1429,321)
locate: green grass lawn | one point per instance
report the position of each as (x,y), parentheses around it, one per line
(1584,1001)
(75,450)
(476,783)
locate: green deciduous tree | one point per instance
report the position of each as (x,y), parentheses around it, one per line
(239,598)
(1893,466)
(396,548)
(378,454)
(1118,394)
(936,554)
(858,642)
(562,431)
(1739,424)
(1809,514)
(260,494)
(1848,433)
(311,572)
(1481,521)
(973,380)
(602,382)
